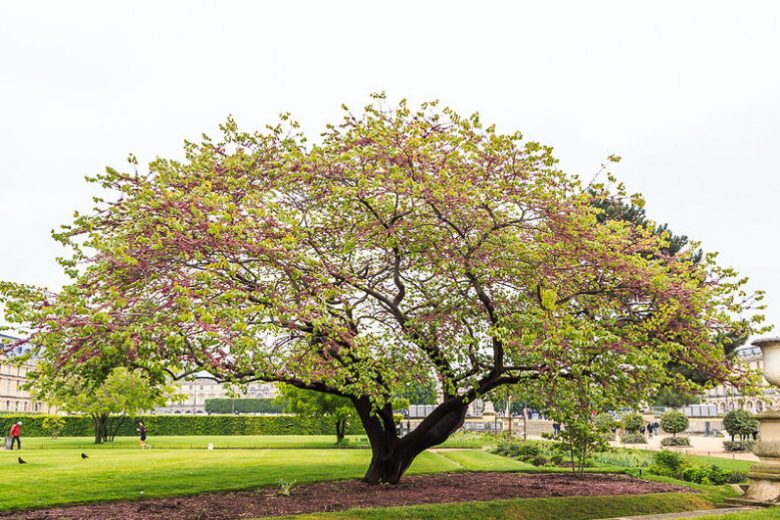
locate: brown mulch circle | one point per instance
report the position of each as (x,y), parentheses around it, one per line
(346,494)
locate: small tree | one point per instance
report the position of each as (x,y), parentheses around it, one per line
(632,422)
(315,404)
(674,422)
(53,425)
(122,393)
(740,422)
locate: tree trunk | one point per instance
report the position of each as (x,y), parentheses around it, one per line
(392,455)
(99,428)
(341,426)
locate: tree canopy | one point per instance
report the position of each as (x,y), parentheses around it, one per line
(315,404)
(407,244)
(122,394)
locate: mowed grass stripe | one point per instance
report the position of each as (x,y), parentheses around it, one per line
(476,460)
(566,508)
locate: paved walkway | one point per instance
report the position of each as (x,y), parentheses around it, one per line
(690,514)
(700,445)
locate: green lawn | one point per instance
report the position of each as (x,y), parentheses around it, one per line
(477,460)
(60,476)
(56,474)
(723,462)
(567,508)
(760,514)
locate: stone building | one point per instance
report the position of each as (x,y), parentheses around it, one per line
(12,378)
(197,391)
(727,399)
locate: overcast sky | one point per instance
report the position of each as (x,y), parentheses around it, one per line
(686,92)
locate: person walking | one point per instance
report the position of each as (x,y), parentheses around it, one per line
(142,432)
(16,433)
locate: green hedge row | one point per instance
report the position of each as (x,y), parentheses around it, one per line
(243,406)
(80,426)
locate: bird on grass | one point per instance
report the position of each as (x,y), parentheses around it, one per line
(84,456)
(22,461)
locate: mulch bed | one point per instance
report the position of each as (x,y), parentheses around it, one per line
(346,494)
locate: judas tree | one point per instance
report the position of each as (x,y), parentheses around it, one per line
(405,244)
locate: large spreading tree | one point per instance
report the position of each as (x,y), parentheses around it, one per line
(407,244)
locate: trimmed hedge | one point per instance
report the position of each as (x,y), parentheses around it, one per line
(676,441)
(161,425)
(258,405)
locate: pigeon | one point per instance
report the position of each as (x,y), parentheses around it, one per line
(84,456)
(22,461)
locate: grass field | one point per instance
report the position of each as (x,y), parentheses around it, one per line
(567,508)
(60,476)
(56,474)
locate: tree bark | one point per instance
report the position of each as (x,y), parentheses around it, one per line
(341,426)
(392,455)
(99,423)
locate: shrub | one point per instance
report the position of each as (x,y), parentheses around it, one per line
(528,451)
(736,477)
(674,422)
(740,422)
(676,441)
(53,425)
(738,445)
(605,423)
(623,459)
(667,463)
(633,438)
(705,475)
(632,422)
(539,460)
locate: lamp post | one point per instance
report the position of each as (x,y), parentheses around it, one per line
(764,486)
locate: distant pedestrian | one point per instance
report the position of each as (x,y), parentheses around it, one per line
(642,430)
(650,430)
(556,428)
(16,433)
(142,432)
(656,427)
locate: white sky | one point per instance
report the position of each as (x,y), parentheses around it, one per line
(686,92)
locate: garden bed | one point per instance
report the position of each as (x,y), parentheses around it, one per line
(346,494)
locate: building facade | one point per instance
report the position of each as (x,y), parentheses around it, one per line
(197,391)
(726,399)
(13,398)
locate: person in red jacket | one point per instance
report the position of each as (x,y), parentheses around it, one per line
(16,432)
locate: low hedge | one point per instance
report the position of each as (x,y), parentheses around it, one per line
(81,426)
(676,441)
(633,438)
(258,405)
(738,445)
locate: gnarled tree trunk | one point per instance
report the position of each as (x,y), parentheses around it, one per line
(392,455)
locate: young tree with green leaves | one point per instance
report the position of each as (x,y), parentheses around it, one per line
(121,395)
(674,422)
(740,422)
(316,404)
(408,242)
